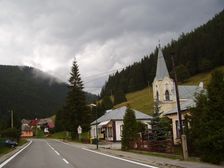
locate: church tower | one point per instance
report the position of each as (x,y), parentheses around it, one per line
(163,85)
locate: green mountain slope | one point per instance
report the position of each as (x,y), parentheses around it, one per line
(195,52)
(143,100)
(30,93)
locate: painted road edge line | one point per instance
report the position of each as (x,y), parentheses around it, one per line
(13,156)
(130,161)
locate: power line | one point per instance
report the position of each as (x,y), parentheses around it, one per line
(100,75)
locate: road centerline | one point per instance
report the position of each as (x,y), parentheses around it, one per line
(57,153)
(65,161)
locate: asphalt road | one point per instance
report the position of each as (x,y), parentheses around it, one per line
(53,154)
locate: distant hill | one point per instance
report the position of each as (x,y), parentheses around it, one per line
(195,52)
(30,93)
(142,100)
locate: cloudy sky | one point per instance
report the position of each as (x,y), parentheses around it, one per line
(103,35)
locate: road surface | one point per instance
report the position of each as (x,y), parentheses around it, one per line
(53,154)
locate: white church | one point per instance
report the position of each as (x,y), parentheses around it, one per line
(164,92)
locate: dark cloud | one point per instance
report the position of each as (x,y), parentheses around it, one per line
(102,35)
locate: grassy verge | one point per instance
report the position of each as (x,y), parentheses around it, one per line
(60,135)
(22,142)
(5,149)
(164,155)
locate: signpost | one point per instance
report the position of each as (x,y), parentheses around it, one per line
(79,130)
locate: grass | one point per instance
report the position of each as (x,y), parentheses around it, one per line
(60,135)
(158,154)
(39,133)
(202,77)
(5,149)
(143,100)
(22,142)
(140,100)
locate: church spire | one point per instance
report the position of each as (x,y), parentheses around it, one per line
(161,70)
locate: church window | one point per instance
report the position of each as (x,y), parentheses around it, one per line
(167,95)
(157,95)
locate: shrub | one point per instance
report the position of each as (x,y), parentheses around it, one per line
(11,133)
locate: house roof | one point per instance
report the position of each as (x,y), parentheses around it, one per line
(161,70)
(118,114)
(24,121)
(188,91)
(183,106)
(34,122)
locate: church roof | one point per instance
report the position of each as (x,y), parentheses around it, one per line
(188,91)
(161,70)
(183,106)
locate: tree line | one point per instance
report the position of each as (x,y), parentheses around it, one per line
(197,51)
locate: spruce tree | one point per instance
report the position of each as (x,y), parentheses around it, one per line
(76,112)
(129,129)
(119,97)
(107,103)
(161,127)
(207,126)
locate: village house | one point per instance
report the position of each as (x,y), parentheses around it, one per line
(164,92)
(110,125)
(26,130)
(27,126)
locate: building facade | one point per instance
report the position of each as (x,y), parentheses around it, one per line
(164,92)
(110,125)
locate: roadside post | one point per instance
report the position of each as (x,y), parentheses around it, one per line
(79,130)
(97,139)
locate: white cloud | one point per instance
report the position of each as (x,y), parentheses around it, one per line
(102,35)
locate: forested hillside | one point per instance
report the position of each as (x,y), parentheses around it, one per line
(30,93)
(198,51)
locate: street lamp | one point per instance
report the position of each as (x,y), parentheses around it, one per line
(94,105)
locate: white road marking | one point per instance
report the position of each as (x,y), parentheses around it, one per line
(13,156)
(130,161)
(65,161)
(57,152)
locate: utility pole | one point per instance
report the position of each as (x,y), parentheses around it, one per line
(181,133)
(11,118)
(97,139)
(149,88)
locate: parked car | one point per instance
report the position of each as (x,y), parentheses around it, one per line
(11,143)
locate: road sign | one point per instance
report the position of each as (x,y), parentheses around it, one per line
(79,129)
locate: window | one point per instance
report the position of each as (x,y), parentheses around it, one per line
(110,131)
(157,95)
(167,95)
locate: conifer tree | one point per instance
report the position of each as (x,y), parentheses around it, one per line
(207,126)
(119,97)
(76,112)
(129,129)
(107,103)
(160,126)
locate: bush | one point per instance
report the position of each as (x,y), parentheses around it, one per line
(85,137)
(11,133)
